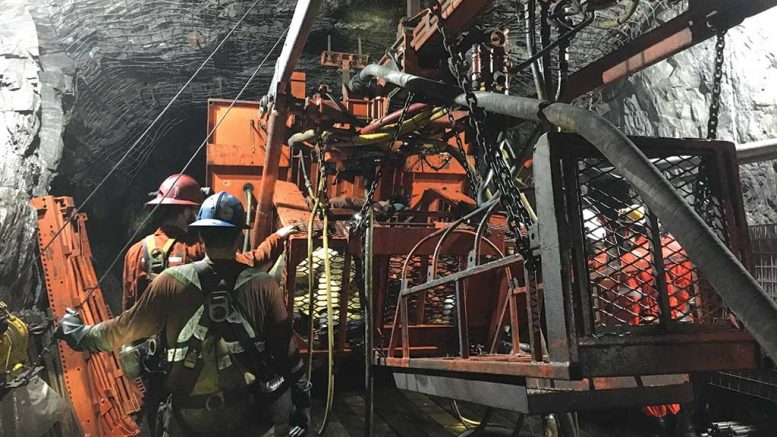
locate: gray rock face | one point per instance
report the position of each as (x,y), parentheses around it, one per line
(124,61)
(672,99)
(22,169)
(94,74)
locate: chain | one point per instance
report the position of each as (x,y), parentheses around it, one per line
(519,218)
(712,123)
(474,180)
(443,165)
(368,198)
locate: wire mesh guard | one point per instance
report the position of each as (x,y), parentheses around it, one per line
(758,383)
(638,273)
(340,276)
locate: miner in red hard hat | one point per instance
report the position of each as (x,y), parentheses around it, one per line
(179,198)
(178,202)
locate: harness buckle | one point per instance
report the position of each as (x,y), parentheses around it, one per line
(191,357)
(214,402)
(218,306)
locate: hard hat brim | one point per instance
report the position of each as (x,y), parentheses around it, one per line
(213,223)
(169,201)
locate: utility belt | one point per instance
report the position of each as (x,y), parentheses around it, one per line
(256,392)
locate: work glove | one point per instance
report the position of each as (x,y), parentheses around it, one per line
(72,330)
(286,231)
(300,399)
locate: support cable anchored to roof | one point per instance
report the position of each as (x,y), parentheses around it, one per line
(137,142)
(90,291)
(183,170)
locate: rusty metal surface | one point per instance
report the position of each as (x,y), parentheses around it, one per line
(340,59)
(625,301)
(235,151)
(695,25)
(533,396)
(103,398)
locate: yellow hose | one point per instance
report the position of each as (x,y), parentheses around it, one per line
(311,297)
(330,395)
(465,421)
(387,133)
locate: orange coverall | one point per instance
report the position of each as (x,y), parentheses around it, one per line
(679,275)
(187,249)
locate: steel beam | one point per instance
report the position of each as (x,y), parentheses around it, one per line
(545,396)
(272,156)
(700,22)
(304,16)
(299,29)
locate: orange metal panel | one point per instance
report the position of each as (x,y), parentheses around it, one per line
(298,84)
(242,129)
(236,149)
(102,398)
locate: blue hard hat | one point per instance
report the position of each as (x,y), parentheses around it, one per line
(221,210)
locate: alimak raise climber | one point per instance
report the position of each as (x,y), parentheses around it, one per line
(232,357)
(177,199)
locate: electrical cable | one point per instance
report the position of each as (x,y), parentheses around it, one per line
(330,395)
(311,294)
(134,145)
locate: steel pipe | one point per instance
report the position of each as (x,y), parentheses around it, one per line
(450,228)
(272,157)
(758,151)
(731,280)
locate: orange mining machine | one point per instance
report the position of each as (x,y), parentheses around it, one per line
(567,269)
(574,269)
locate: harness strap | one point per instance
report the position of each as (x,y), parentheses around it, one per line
(185,358)
(177,354)
(156,259)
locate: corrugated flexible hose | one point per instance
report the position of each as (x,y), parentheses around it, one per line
(731,280)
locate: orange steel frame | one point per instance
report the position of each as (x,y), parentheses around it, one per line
(103,399)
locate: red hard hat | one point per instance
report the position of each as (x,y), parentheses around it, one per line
(178,189)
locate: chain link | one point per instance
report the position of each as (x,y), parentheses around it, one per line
(519,218)
(474,179)
(712,123)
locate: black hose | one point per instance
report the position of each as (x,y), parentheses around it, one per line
(714,260)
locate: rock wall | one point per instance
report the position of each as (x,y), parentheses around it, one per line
(22,169)
(128,59)
(672,99)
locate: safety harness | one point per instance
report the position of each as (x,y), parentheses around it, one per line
(156,259)
(220,317)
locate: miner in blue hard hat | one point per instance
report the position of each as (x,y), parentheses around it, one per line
(231,353)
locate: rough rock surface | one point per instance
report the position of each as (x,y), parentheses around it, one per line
(96,73)
(672,99)
(21,167)
(130,58)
